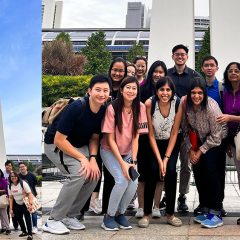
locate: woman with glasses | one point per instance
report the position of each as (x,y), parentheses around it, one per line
(203,138)
(17,189)
(231,110)
(3,211)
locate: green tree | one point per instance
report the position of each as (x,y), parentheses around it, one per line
(136,50)
(204,51)
(64,36)
(98,57)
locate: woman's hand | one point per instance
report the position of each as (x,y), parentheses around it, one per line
(11,213)
(30,207)
(164,166)
(224,118)
(194,156)
(125,167)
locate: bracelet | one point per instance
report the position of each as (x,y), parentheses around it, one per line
(167,156)
(93,155)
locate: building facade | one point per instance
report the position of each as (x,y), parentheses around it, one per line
(51,13)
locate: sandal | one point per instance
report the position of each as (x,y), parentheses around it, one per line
(174,221)
(238,221)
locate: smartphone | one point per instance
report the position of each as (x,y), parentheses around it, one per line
(133,173)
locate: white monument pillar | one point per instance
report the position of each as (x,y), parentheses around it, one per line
(224,32)
(172,23)
(3,157)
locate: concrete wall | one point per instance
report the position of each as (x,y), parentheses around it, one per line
(3,157)
(224,32)
(172,23)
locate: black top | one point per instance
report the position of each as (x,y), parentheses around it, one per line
(78,127)
(31,179)
(184,80)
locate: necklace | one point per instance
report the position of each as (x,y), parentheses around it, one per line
(128,110)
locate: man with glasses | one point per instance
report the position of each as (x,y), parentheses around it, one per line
(183,78)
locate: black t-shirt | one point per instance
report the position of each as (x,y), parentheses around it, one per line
(78,127)
(31,179)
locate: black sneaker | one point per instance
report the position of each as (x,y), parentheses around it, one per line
(3,231)
(23,234)
(223,212)
(162,205)
(8,232)
(182,206)
(199,210)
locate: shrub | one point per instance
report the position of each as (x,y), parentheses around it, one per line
(55,87)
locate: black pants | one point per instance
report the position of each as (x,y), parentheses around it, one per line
(207,174)
(14,220)
(19,211)
(170,178)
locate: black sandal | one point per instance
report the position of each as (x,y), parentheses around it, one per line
(238,221)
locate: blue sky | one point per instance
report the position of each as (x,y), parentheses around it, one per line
(20,75)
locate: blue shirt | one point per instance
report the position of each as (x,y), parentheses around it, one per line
(214,92)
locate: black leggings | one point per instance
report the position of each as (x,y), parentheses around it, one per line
(170,180)
(19,211)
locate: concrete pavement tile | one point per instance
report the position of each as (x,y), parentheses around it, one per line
(148,237)
(226,230)
(214,238)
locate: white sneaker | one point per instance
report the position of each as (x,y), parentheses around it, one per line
(139,213)
(95,206)
(156,213)
(34,230)
(73,223)
(55,227)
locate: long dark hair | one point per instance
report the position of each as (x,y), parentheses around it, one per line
(118,105)
(148,89)
(1,174)
(161,82)
(198,82)
(227,83)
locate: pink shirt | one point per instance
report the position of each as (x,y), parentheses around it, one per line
(124,139)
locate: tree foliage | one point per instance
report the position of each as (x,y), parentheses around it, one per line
(98,57)
(55,87)
(64,37)
(204,51)
(136,50)
(58,58)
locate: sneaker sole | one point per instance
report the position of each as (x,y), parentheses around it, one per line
(75,228)
(108,229)
(47,229)
(208,226)
(125,228)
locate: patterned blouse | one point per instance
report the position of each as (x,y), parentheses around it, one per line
(210,132)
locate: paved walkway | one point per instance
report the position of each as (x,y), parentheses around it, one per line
(158,228)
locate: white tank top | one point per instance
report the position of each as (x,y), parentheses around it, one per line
(162,126)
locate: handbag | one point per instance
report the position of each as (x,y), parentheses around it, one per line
(4,201)
(35,203)
(194,139)
(237,143)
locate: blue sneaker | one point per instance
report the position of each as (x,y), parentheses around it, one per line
(212,221)
(123,222)
(109,223)
(200,218)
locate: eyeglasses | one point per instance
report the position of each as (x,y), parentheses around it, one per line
(118,70)
(233,71)
(179,54)
(13,176)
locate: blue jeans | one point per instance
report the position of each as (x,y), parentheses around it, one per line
(34,219)
(123,190)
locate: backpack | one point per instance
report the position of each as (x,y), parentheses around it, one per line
(154,101)
(53,112)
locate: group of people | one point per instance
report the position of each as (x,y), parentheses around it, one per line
(133,122)
(17,186)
